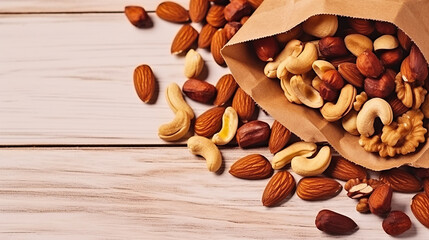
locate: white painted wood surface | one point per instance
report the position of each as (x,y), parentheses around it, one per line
(150,193)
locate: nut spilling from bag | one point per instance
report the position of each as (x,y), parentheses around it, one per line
(367,74)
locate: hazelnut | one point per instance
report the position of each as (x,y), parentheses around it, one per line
(381,87)
(396,223)
(199,91)
(333,79)
(414,67)
(392,58)
(254,133)
(369,65)
(332,47)
(385,28)
(266,48)
(138,17)
(362,26)
(231,29)
(351,74)
(327,93)
(380,200)
(404,40)
(236,10)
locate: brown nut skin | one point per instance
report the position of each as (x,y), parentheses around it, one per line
(252,167)
(226,87)
(333,79)
(278,188)
(396,223)
(380,200)
(392,58)
(209,122)
(244,105)
(334,223)
(252,134)
(346,59)
(342,169)
(404,40)
(327,93)
(266,48)
(231,29)
(381,87)
(385,28)
(351,74)
(414,67)
(331,47)
(279,137)
(215,16)
(206,35)
(362,26)
(401,180)
(236,10)
(199,91)
(138,17)
(398,107)
(369,65)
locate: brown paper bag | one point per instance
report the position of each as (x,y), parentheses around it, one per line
(278,16)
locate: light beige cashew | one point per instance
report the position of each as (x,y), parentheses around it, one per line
(359,101)
(176,101)
(349,123)
(194,64)
(312,166)
(316,83)
(229,127)
(333,112)
(386,42)
(293,48)
(358,43)
(321,25)
(285,84)
(322,66)
(207,149)
(177,128)
(283,158)
(302,63)
(305,92)
(373,108)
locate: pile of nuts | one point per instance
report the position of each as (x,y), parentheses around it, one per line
(352,84)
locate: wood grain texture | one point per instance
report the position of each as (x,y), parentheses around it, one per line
(151,193)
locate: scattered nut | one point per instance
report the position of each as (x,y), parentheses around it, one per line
(207,149)
(229,127)
(362,206)
(138,17)
(254,133)
(334,223)
(176,129)
(199,91)
(396,223)
(321,25)
(312,166)
(252,167)
(194,64)
(380,200)
(175,100)
(285,156)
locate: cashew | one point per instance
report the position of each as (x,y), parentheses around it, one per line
(316,83)
(333,112)
(312,166)
(229,127)
(322,66)
(177,128)
(385,42)
(349,123)
(282,158)
(207,149)
(293,48)
(305,92)
(321,25)
(373,108)
(175,100)
(358,43)
(194,64)
(285,84)
(302,63)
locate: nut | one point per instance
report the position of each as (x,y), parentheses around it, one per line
(312,166)
(305,92)
(237,9)
(255,3)
(184,39)
(294,47)
(198,10)
(351,74)
(369,65)
(334,223)
(231,29)
(209,123)
(285,156)
(392,58)
(346,59)
(321,25)
(362,206)
(199,91)
(208,150)
(360,101)
(327,93)
(373,108)
(333,112)
(330,47)
(398,107)
(411,97)
(401,180)
(175,100)
(285,85)
(215,16)
(254,133)
(385,28)
(138,16)
(359,190)
(355,181)
(414,67)
(172,12)
(252,167)
(404,40)
(420,208)
(358,43)
(266,48)
(229,127)
(382,86)
(144,83)
(303,62)
(218,41)
(316,82)
(342,169)
(206,36)
(225,87)
(386,42)
(333,79)
(317,188)
(320,67)
(243,104)
(278,188)
(396,223)
(380,200)
(176,129)
(362,26)
(194,64)
(279,137)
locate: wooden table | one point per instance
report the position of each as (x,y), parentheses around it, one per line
(80,157)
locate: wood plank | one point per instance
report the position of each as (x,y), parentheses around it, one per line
(26,6)
(67,79)
(155,193)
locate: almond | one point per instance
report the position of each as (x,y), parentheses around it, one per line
(362,26)
(401,180)
(380,200)
(279,137)
(236,10)
(351,74)
(243,104)
(252,167)
(253,134)
(172,12)
(421,172)
(396,223)
(198,9)
(317,188)
(255,3)
(334,223)
(398,108)
(206,35)
(215,16)
(231,29)
(138,16)
(218,41)
(404,40)
(144,83)
(184,39)
(414,67)
(385,28)
(278,188)
(199,91)
(420,208)
(210,122)
(226,87)
(342,169)
(392,58)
